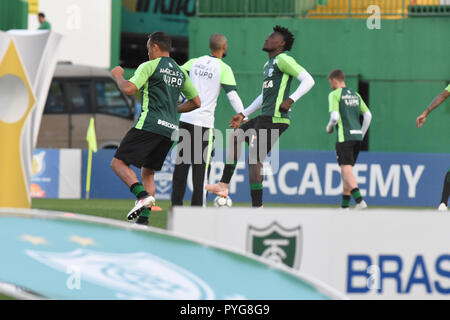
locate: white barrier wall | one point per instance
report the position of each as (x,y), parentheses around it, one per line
(85,26)
(57,173)
(373,254)
(70,161)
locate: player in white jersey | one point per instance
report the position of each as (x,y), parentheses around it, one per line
(208,74)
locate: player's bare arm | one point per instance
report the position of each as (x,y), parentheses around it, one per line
(433,105)
(125,86)
(190,105)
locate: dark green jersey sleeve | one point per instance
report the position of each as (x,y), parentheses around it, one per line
(188,89)
(288,65)
(143,72)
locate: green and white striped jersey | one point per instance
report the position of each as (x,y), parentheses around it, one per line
(350,106)
(278,74)
(448,88)
(161,81)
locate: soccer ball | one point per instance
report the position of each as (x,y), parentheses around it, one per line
(181,98)
(221,202)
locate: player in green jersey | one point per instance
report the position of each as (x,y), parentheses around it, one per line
(43,23)
(146,145)
(262,132)
(345,107)
(419,123)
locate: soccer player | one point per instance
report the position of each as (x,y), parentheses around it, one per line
(146,144)
(346,106)
(419,123)
(208,74)
(262,132)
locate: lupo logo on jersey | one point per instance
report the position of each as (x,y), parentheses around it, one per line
(276,244)
(163,178)
(137,275)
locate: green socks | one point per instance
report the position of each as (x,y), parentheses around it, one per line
(228,172)
(356,195)
(138,190)
(146,213)
(346,201)
(256,192)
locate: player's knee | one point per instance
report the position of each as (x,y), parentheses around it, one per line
(116,164)
(346,169)
(147,172)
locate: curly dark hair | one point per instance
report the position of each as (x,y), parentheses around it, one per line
(287,35)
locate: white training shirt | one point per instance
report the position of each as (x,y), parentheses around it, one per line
(209,74)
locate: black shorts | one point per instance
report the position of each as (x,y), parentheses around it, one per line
(196,146)
(142,148)
(347,152)
(266,134)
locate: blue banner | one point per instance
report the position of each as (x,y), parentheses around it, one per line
(394,179)
(45,170)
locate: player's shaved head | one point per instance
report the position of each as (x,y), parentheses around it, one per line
(217,42)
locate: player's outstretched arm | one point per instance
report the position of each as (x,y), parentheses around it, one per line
(433,105)
(254,106)
(235,101)
(125,86)
(190,105)
(237,119)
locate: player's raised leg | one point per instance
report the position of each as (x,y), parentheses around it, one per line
(232,155)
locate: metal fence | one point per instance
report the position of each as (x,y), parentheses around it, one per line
(254,8)
(393,9)
(326,9)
